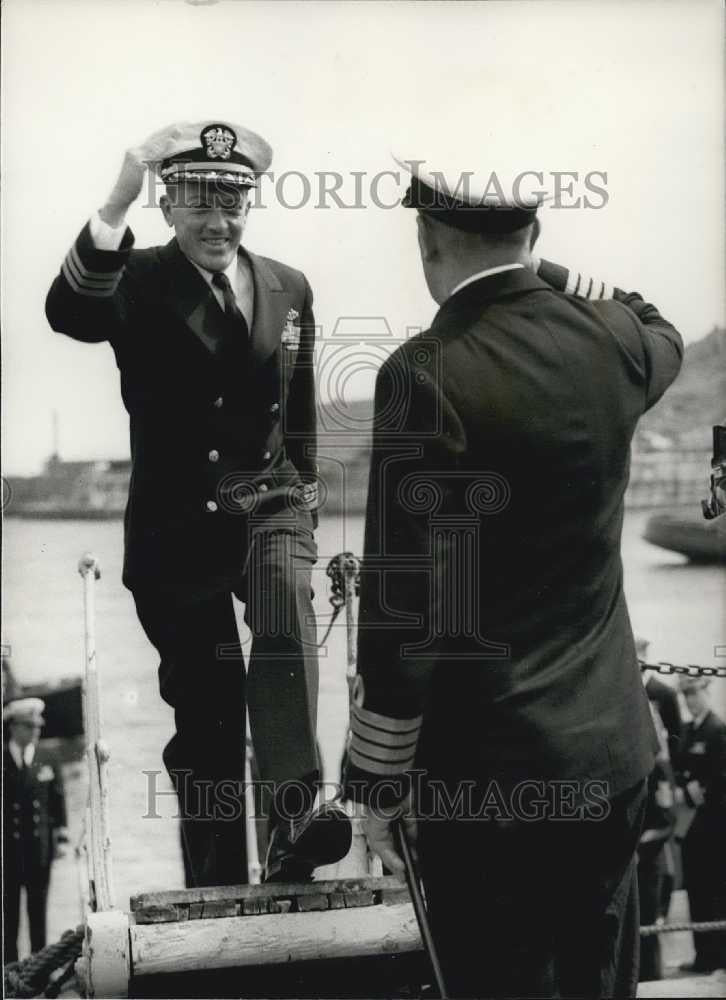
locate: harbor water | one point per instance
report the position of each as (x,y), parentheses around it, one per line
(678,606)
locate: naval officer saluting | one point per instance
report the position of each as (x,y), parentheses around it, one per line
(215,350)
(495,652)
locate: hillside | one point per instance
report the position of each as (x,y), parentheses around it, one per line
(697,398)
(682,419)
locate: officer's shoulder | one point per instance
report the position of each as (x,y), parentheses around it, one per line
(286,274)
(615,315)
(144,261)
(604,306)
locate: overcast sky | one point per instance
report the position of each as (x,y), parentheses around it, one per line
(633,90)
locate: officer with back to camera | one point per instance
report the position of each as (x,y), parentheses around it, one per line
(498,679)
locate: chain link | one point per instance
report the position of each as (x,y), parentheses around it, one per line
(347,564)
(689,670)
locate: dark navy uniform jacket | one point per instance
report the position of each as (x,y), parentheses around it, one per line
(215,442)
(494,639)
(703,759)
(33,807)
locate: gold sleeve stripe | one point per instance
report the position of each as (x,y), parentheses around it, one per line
(586,287)
(374,766)
(87,272)
(105,293)
(381,736)
(388,754)
(382,752)
(386,723)
(78,279)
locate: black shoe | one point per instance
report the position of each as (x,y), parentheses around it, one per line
(297,849)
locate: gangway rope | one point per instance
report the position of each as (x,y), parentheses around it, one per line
(699,927)
(341,566)
(31,976)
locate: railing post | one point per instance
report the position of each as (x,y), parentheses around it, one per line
(97,754)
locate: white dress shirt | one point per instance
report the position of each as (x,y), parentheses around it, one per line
(18,755)
(483,274)
(239,271)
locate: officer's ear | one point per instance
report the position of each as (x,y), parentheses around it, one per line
(165,206)
(535,230)
(427,242)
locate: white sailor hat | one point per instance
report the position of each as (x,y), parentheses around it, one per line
(25,710)
(216,152)
(459,191)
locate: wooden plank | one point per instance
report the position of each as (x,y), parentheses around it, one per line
(223,901)
(273,938)
(397,895)
(306,904)
(713,985)
(252,907)
(239,892)
(354,899)
(162,914)
(220,908)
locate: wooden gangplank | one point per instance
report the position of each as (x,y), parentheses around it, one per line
(252,900)
(340,937)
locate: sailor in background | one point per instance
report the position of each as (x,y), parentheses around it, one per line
(654,863)
(496,657)
(669,724)
(215,349)
(664,698)
(701,773)
(34,823)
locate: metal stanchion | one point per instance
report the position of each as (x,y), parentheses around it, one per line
(97,753)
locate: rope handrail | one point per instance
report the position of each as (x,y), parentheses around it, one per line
(697,927)
(31,976)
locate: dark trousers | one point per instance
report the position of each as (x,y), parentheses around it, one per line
(651,873)
(202,675)
(536,909)
(704,876)
(36,892)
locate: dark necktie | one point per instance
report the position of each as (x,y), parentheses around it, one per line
(238,338)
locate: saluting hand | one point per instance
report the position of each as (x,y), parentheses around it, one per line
(136,161)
